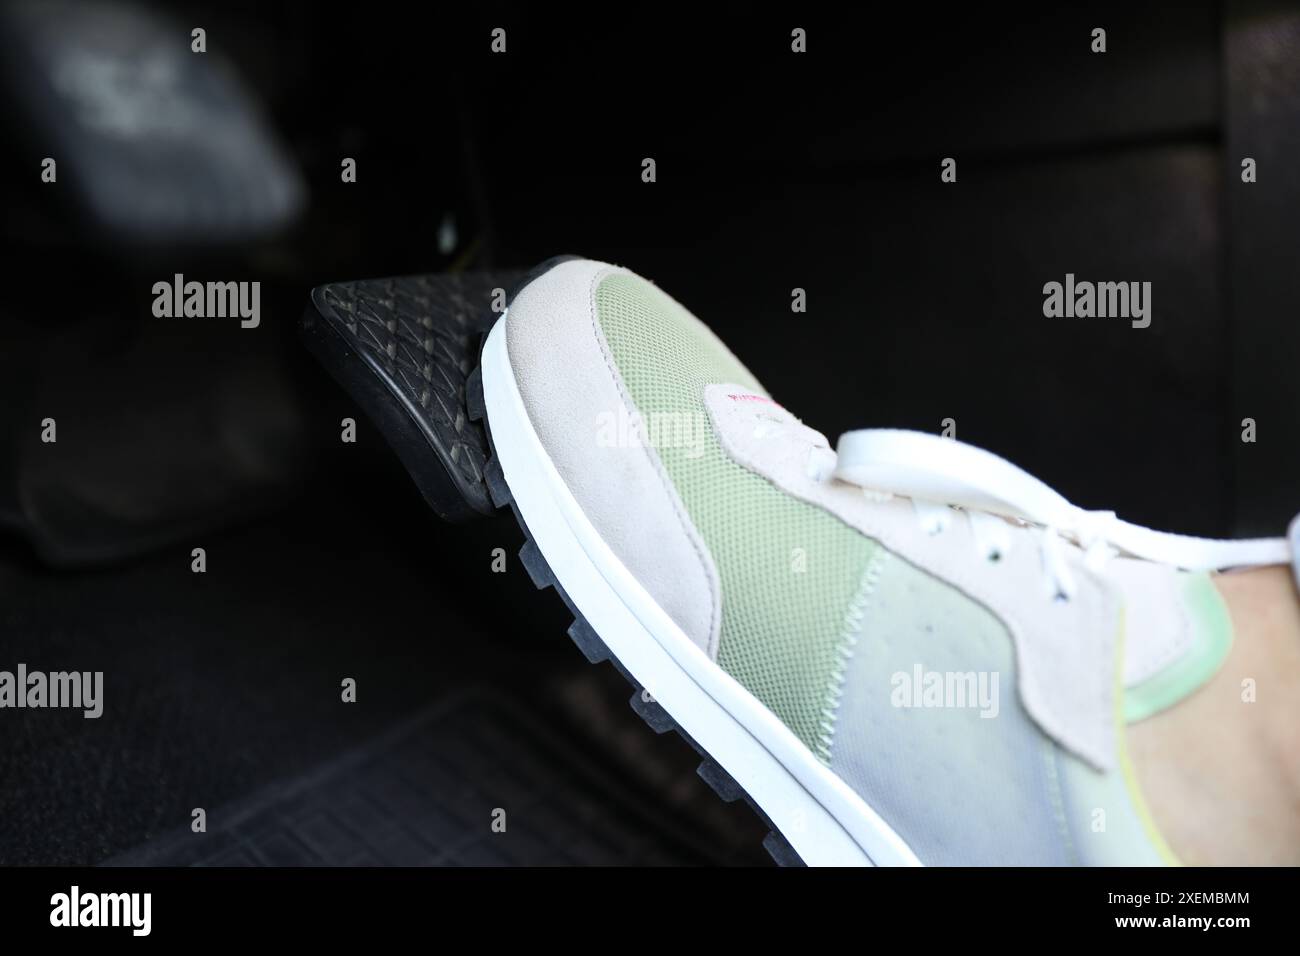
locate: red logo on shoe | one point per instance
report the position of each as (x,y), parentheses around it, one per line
(752,398)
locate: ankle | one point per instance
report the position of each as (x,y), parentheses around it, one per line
(1221,769)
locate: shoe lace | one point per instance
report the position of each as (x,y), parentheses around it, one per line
(942,474)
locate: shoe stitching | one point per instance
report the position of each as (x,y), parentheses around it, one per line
(844,651)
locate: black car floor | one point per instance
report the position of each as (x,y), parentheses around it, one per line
(220,685)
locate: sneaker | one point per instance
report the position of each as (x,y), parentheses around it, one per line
(904,652)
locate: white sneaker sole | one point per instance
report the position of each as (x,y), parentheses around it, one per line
(822,818)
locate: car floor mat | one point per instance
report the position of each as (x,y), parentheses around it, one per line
(403,348)
(475,779)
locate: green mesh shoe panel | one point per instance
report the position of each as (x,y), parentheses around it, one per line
(789,570)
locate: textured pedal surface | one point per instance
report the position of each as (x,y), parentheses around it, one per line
(589,641)
(403,348)
(425,793)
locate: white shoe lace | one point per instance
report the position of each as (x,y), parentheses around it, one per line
(939,474)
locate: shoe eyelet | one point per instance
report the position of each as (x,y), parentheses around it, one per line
(994,556)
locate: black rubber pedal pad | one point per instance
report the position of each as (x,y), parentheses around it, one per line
(403,349)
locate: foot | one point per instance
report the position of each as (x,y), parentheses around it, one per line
(890,679)
(1221,770)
